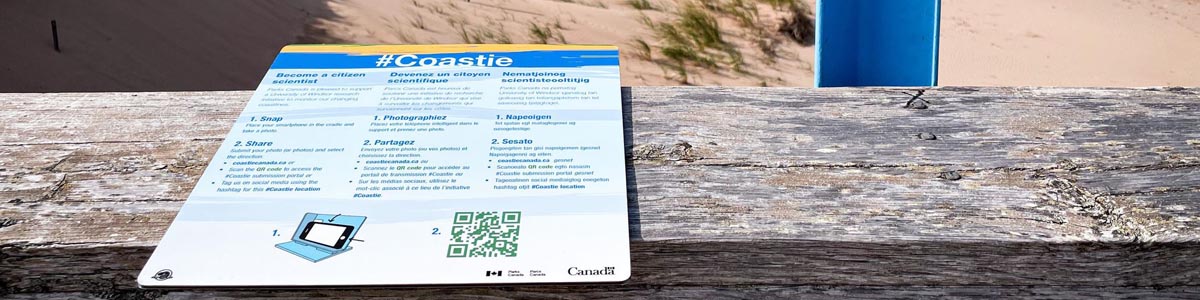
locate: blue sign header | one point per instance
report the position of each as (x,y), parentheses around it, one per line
(522,59)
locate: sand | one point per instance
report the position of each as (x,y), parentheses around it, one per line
(228,45)
(1070,42)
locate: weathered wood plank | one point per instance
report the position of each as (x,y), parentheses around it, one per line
(741,191)
(568,292)
(731,263)
(984,128)
(81,117)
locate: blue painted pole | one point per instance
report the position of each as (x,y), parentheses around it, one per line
(877,42)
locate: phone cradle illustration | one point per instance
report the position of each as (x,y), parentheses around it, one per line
(321,236)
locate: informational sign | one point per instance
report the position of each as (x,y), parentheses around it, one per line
(358,165)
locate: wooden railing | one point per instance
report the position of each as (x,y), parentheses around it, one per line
(734,192)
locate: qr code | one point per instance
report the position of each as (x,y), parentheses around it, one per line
(485,234)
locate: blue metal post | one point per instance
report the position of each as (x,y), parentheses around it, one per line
(877,42)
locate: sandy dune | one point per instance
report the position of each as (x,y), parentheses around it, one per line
(131,45)
(579,22)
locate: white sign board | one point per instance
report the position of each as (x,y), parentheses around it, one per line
(358,165)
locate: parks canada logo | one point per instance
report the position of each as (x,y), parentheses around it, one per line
(573,271)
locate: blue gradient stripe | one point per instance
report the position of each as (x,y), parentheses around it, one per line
(522,59)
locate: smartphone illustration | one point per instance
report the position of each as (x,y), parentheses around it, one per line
(325,234)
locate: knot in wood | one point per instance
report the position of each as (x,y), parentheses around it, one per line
(950,175)
(679,151)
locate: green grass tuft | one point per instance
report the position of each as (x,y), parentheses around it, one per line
(643,49)
(542,34)
(640,4)
(781,4)
(700,26)
(694,37)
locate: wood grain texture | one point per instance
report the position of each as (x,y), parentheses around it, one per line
(734,193)
(637,292)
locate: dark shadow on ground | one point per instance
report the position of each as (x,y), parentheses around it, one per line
(172,45)
(635,212)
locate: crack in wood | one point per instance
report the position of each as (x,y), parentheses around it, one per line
(1165,165)
(5,222)
(54,190)
(1056,219)
(818,165)
(1153,192)
(59,162)
(1113,214)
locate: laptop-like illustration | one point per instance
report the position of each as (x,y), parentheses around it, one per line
(321,236)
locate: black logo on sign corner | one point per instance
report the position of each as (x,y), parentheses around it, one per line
(163,274)
(494,273)
(574,271)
